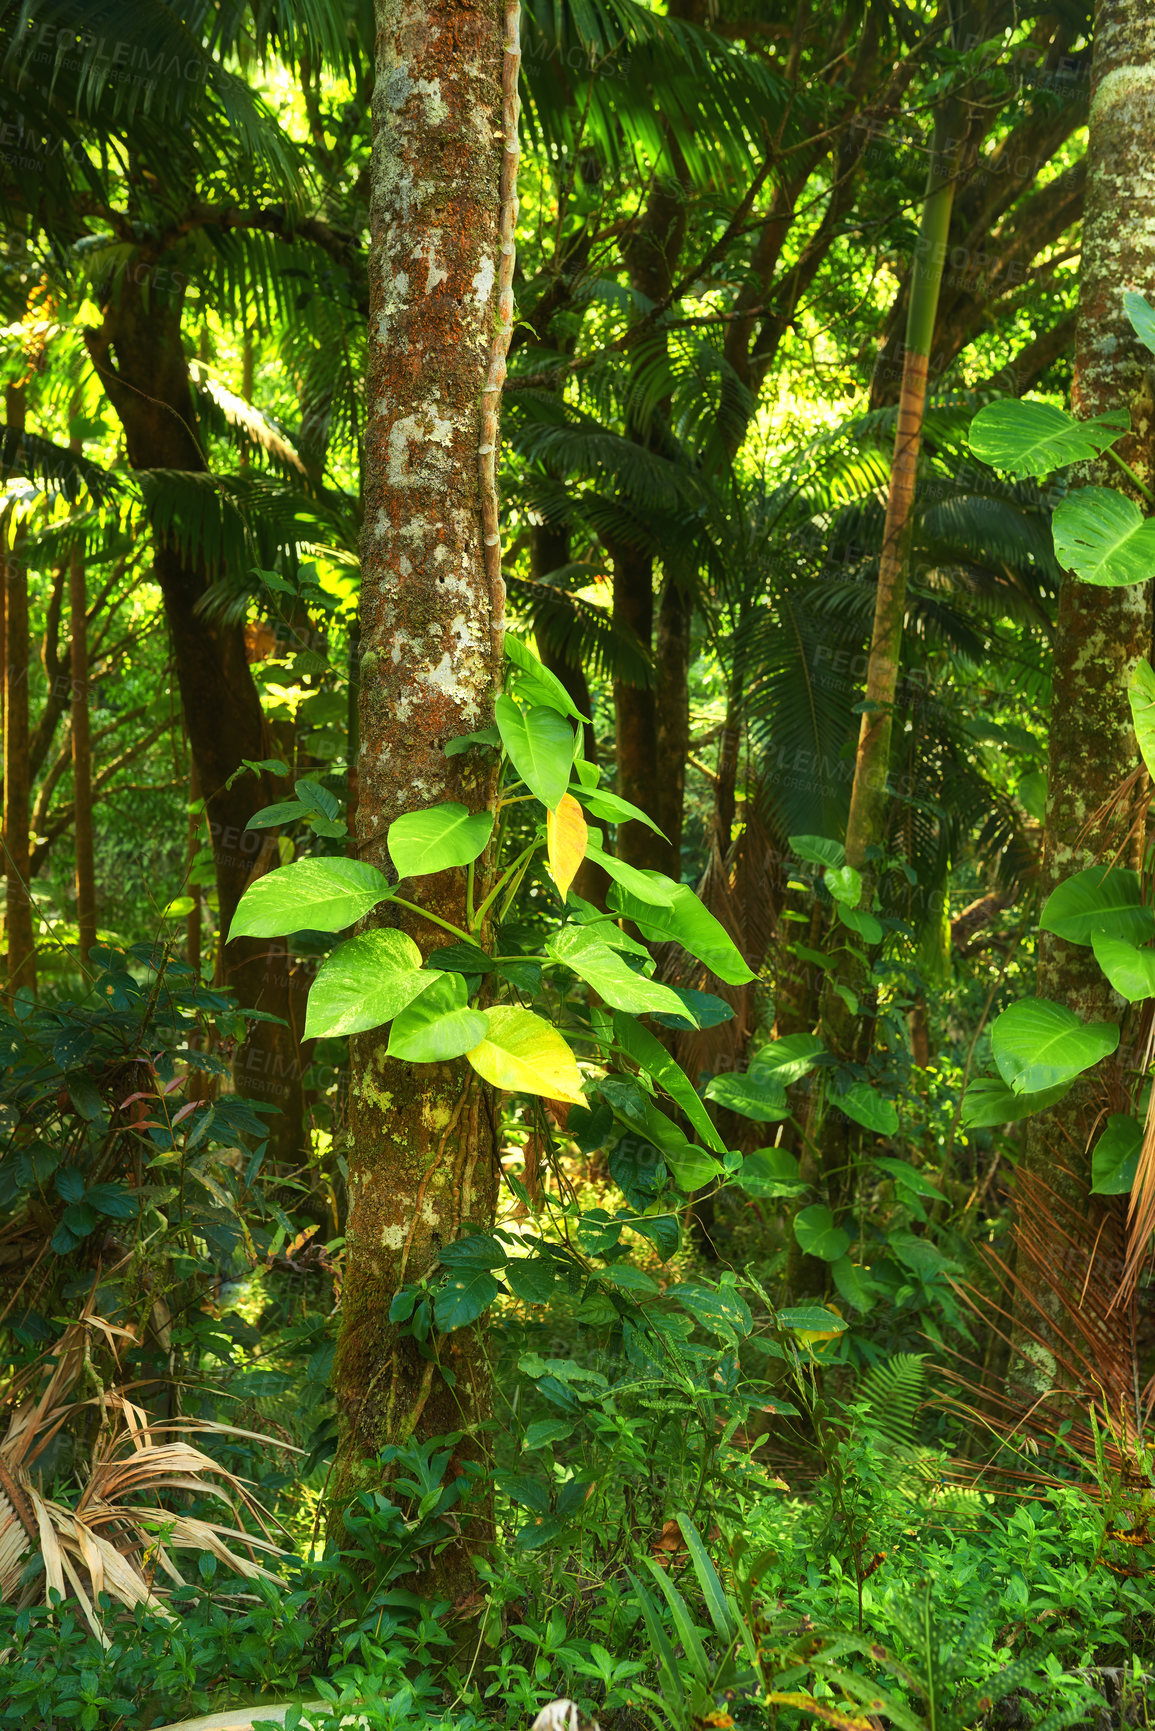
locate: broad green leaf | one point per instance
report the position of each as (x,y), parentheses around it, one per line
(721,1309)
(540,744)
(867,1108)
(438,838)
(364,983)
(566,837)
(854,1283)
(317,798)
(909,1177)
(549,688)
(467,1293)
(769,1172)
(611,977)
(527,1493)
(1103,901)
(691,1168)
(649,889)
(607,931)
(989,1102)
(763,1100)
(858,920)
(1104,538)
(544,1432)
(701,1009)
(810,1319)
(684,921)
(611,808)
(531,1279)
(788,1059)
(320,895)
(1116,1156)
(919,1255)
(272,816)
(1035,438)
(461,959)
(111,1200)
(1142,317)
(844,884)
(819,1235)
(438,1025)
(818,850)
(648,1052)
(1038,1044)
(525,1055)
(463,741)
(1141,692)
(1130,970)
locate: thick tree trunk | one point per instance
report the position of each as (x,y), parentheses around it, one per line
(672,703)
(422,1156)
(81,759)
(1101,633)
(635,711)
(139,357)
(18,921)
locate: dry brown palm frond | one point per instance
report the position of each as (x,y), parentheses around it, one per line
(120,1532)
(1055,1309)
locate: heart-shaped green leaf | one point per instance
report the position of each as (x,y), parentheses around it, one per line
(364,983)
(321,895)
(1038,1044)
(1141,693)
(989,1102)
(437,1025)
(818,1235)
(1130,970)
(438,838)
(1116,1156)
(1103,901)
(540,744)
(1142,317)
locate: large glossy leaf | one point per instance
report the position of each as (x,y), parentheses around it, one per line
(1130,970)
(818,850)
(467,1293)
(684,921)
(650,889)
(1116,1156)
(648,1052)
(540,744)
(1104,538)
(788,1059)
(438,1025)
(438,838)
(611,808)
(844,884)
(1141,693)
(566,839)
(364,983)
(1035,438)
(1142,317)
(321,895)
(543,686)
(868,1108)
(524,1054)
(989,1102)
(1038,1044)
(609,975)
(819,1235)
(761,1099)
(1103,901)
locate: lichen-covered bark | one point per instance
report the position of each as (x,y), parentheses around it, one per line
(1101,633)
(421,1155)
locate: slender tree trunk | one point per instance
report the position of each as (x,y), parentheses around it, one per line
(672,704)
(421,1153)
(17,793)
(868,806)
(138,354)
(1101,633)
(635,711)
(81,758)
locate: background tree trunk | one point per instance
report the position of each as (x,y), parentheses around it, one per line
(138,353)
(422,1156)
(1101,633)
(21,943)
(81,758)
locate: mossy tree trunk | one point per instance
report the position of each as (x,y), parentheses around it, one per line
(18,922)
(1101,633)
(422,1156)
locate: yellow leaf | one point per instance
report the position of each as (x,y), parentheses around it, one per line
(523,1054)
(566,839)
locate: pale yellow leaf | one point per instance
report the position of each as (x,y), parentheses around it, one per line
(566,840)
(524,1055)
